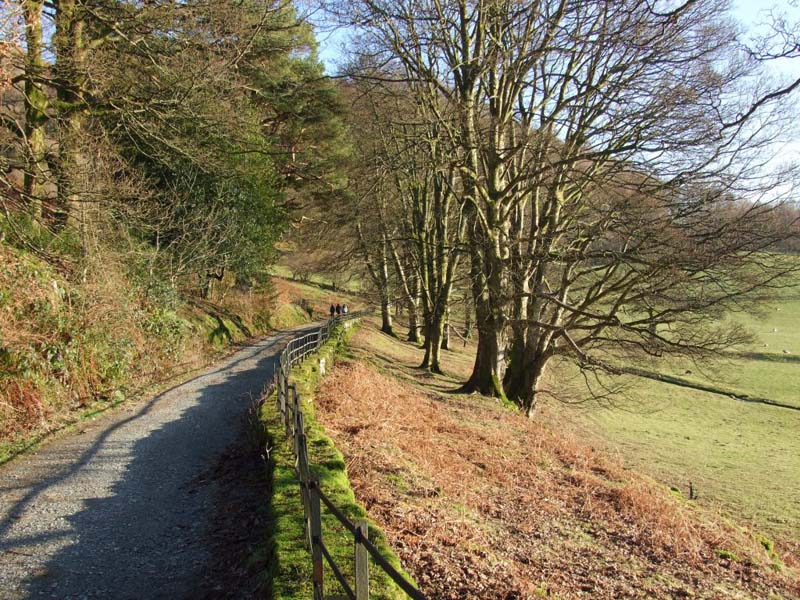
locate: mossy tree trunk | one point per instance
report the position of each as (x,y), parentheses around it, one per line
(71,78)
(36,104)
(446,329)
(489,367)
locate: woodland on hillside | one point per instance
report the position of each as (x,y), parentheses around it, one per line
(588,180)
(151,154)
(184,125)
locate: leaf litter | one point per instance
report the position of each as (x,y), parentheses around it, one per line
(481,502)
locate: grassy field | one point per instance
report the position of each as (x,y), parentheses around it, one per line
(742,458)
(351,284)
(481,502)
(739,456)
(769,368)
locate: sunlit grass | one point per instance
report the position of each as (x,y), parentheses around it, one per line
(742,457)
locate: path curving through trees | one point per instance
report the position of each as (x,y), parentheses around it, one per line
(128,506)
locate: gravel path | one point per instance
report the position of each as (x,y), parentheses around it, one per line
(122,507)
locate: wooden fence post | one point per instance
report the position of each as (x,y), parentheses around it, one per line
(362,561)
(286,388)
(302,458)
(287,421)
(281,397)
(305,484)
(316,538)
(295,408)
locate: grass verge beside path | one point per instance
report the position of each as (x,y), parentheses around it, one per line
(128,395)
(290,567)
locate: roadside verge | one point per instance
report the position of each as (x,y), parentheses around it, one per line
(290,572)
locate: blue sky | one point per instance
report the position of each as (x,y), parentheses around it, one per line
(750,13)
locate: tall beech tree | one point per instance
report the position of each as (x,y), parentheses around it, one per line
(604,148)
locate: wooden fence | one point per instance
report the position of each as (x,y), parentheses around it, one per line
(313,498)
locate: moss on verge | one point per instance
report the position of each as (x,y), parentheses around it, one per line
(290,567)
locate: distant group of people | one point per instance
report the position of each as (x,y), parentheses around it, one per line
(339,309)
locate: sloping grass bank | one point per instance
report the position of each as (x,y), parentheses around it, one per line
(728,430)
(482,503)
(74,343)
(290,570)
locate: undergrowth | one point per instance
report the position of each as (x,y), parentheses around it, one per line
(290,571)
(482,502)
(85,334)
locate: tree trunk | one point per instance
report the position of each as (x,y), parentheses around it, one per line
(377,265)
(530,384)
(445,345)
(436,345)
(467,321)
(434,327)
(35,110)
(386,315)
(489,368)
(413,310)
(513,382)
(520,282)
(426,343)
(70,55)
(413,325)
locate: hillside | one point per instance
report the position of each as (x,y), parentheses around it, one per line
(481,502)
(298,302)
(740,457)
(73,345)
(579,374)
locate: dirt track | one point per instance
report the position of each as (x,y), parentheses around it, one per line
(128,506)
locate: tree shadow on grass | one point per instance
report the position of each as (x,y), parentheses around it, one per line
(768,356)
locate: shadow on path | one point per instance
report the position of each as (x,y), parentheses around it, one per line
(128,515)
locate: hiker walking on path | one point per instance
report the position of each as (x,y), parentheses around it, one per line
(338,309)
(344,309)
(333,310)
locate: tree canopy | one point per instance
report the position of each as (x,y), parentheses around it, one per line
(191,125)
(610,161)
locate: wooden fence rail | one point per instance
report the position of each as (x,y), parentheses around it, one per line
(312,497)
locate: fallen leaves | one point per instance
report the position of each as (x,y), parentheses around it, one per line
(481,502)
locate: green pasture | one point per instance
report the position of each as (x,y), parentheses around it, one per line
(352,284)
(743,457)
(769,368)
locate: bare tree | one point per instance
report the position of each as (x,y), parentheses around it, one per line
(412,195)
(601,146)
